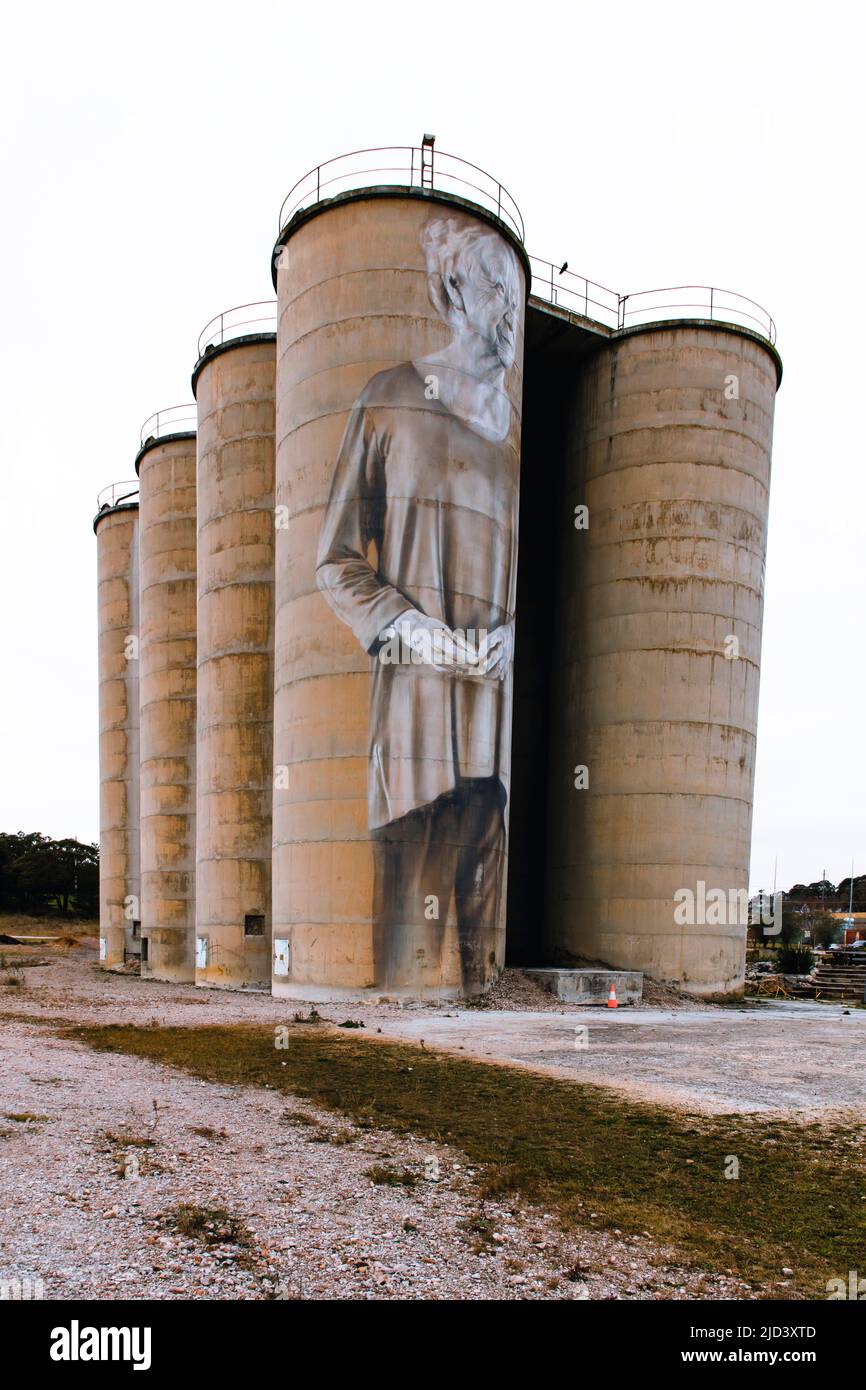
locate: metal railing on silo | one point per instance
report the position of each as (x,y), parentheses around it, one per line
(116,494)
(243,321)
(405,166)
(563,288)
(696,301)
(174,419)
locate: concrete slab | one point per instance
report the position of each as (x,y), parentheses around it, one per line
(590,986)
(802,1058)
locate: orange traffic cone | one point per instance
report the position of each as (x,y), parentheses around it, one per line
(611,998)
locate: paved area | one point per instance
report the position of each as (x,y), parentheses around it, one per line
(786,1056)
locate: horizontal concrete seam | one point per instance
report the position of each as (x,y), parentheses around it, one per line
(296,346)
(651,725)
(625,508)
(503,527)
(247,582)
(741,660)
(208,452)
(670,612)
(659,463)
(259,508)
(282,439)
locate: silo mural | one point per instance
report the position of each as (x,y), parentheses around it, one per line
(327,679)
(407,525)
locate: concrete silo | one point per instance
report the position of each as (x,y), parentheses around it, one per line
(656,653)
(233,384)
(399,361)
(116,527)
(166,465)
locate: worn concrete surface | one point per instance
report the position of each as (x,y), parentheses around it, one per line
(799,1056)
(119,787)
(656,662)
(167,688)
(235,687)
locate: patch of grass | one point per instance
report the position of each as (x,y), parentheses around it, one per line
(125,1139)
(504,1179)
(351,1023)
(208,1132)
(25,1117)
(384,1176)
(210,1226)
(589,1155)
(297,1117)
(338,1137)
(479,1228)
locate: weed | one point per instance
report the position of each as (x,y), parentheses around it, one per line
(384,1176)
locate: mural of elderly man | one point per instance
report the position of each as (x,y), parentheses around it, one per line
(418,555)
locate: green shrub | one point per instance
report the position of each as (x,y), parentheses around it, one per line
(795,960)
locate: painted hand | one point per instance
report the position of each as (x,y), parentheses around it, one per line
(497,653)
(437,645)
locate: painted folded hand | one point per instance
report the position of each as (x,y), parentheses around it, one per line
(497,651)
(473,654)
(435,644)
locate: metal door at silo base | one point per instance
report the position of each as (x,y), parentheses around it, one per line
(166,467)
(234,388)
(399,363)
(656,662)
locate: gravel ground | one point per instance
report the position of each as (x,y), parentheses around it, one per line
(90,1184)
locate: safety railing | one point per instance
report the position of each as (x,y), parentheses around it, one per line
(562,287)
(175,419)
(432,170)
(574,292)
(410,166)
(696,301)
(116,494)
(239,322)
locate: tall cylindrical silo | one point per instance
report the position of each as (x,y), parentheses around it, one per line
(166,465)
(116,527)
(233,384)
(658,636)
(399,360)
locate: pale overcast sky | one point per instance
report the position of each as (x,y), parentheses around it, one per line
(146,153)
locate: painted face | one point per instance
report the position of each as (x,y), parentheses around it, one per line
(491,299)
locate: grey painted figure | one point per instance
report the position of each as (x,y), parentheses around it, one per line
(418,555)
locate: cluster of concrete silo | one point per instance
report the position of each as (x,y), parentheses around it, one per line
(344,691)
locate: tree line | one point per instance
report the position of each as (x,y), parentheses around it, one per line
(44,877)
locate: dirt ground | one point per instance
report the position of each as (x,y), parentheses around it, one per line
(98,1151)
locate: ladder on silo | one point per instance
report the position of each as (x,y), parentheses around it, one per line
(427,162)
